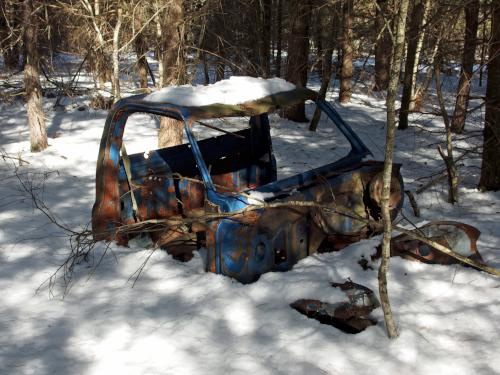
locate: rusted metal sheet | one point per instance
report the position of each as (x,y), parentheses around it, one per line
(461,238)
(350,316)
(277,238)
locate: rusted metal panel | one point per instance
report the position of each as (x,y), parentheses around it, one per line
(351,315)
(461,238)
(291,233)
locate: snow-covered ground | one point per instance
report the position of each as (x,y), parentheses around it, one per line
(177,319)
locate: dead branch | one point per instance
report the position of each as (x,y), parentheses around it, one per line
(441,175)
(161,224)
(451,168)
(413,203)
(447,251)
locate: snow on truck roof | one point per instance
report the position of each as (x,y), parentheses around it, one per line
(235,90)
(236,96)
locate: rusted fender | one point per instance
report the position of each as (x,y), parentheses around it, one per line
(350,316)
(460,237)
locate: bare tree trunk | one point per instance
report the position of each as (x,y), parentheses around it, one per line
(116,63)
(346,70)
(11,57)
(36,119)
(219,27)
(383,48)
(468,58)
(484,44)
(159,47)
(265,37)
(418,53)
(298,54)
(327,26)
(422,89)
(206,74)
(392,331)
(173,61)
(140,50)
(448,157)
(490,168)
(279,20)
(100,61)
(316,31)
(414,30)
(220,65)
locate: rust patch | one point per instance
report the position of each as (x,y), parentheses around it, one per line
(351,316)
(457,236)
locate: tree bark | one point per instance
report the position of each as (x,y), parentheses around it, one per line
(327,26)
(484,44)
(36,119)
(173,62)
(490,168)
(298,54)
(468,58)
(140,50)
(448,159)
(392,331)
(414,31)
(279,20)
(265,37)
(116,63)
(346,71)
(418,53)
(422,89)
(100,60)
(383,47)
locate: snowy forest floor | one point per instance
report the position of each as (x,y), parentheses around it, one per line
(177,319)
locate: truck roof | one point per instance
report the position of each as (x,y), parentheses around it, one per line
(237,96)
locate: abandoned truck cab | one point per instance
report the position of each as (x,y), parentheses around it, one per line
(223,193)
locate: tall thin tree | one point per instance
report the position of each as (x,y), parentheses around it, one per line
(140,48)
(414,32)
(115,79)
(279,40)
(327,18)
(36,119)
(298,53)
(383,46)
(265,37)
(173,62)
(399,39)
(490,168)
(471,9)
(346,71)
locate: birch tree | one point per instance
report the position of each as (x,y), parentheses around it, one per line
(415,40)
(116,49)
(399,37)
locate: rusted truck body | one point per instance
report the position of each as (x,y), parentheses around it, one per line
(224,190)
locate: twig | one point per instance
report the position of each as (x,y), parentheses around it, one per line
(413,203)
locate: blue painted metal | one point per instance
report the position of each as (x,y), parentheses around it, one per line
(217,174)
(358,147)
